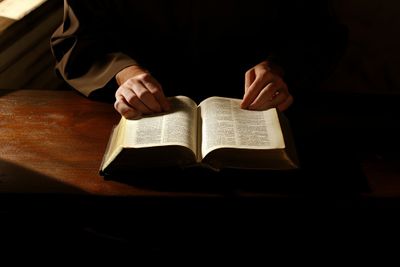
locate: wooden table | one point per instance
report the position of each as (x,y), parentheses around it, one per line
(54,141)
(52,144)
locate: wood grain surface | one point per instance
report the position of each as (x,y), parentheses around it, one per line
(54,141)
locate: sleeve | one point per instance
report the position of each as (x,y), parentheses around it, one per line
(311,43)
(86,52)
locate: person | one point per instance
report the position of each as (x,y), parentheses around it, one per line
(143,51)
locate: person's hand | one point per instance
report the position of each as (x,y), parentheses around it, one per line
(139,93)
(264,89)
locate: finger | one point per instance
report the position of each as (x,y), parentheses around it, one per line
(249,79)
(286,103)
(133,100)
(155,88)
(146,97)
(264,101)
(255,88)
(125,110)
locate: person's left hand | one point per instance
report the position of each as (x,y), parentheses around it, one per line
(264,89)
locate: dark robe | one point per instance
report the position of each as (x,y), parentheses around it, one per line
(194,48)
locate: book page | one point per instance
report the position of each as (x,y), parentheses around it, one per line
(177,127)
(225,124)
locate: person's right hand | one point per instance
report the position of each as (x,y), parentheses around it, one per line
(139,93)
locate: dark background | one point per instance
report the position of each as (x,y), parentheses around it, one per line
(371,63)
(372,60)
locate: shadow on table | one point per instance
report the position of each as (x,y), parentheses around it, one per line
(16,179)
(321,178)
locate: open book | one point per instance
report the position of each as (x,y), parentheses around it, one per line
(217,134)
